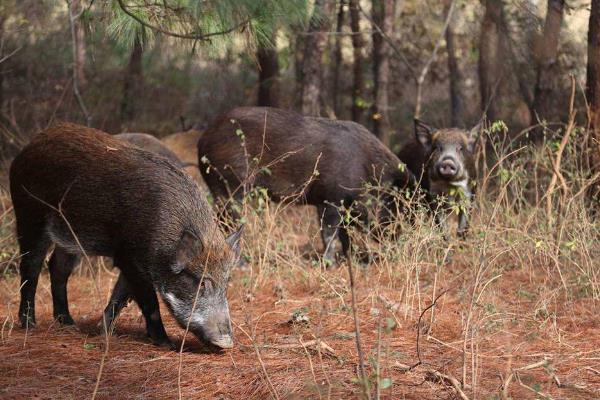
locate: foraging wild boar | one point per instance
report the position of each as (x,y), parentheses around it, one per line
(184,145)
(443,161)
(317,161)
(150,143)
(85,191)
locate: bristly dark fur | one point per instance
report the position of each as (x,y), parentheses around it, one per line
(427,152)
(286,148)
(152,144)
(121,202)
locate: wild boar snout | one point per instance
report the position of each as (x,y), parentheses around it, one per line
(198,298)
(447,167)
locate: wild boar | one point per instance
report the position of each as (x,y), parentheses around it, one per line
(443,161)
(315,161)
(150,143)
(183,144)
(88,193)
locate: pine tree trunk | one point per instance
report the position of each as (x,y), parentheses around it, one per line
(383,13)
(2,21)
(358,43)
(337,60)
(298,65)
(489,56)
(268,76)
(132,84)
(454,75)
(593,92)
(80,48)
(547,66)
(312,65)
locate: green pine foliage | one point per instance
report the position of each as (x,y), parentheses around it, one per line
(215,22)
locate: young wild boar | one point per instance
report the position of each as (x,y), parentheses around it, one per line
(150,143)
(443,161)
(316,161)
(85,191)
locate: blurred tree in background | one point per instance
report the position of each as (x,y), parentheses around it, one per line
(162,66)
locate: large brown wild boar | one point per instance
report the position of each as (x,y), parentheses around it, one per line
(150,143)
(85,191)
(442,159)
(184,145)
(285,150)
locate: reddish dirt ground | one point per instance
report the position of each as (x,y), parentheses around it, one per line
(51,362)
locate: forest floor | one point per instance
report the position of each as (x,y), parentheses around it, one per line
(514,329)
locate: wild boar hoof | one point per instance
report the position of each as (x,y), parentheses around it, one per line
(242,264)
(165,343)
(64,319)
(27,321)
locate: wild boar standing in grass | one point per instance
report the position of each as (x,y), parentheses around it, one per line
(84,191)
(315,161)
(443,162)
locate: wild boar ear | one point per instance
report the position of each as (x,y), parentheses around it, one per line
(189,247)
(234,241)
(473,135)
(423,133)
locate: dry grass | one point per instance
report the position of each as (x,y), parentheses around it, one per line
(518,317)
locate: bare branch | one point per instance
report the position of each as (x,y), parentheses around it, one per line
(6,57)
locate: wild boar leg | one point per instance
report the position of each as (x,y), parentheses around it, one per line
(119,298)
(331,230)
(145,296)
(60,266)
(33,244)
(463,224)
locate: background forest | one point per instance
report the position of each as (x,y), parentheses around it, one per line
(367,61)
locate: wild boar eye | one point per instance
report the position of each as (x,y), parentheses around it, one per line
(205,285)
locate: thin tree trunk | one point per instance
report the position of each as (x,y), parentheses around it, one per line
(298,65)
(133,83)
(383,14)
(358,43)
(547,63)
(593,93)
(2,44)
(268,76)
(489,56)
(78,51)
(454,75)
(80,48)
(312,65)
(337,60)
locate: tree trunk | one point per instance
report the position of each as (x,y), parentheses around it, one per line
(593,92)
(383,13)
(315,44)
(298,65)
(358,83)
(547,64)
(337,60)
(132,84)
(80,48)
(2,21)
(454,75)
(268,76)
(489,56)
